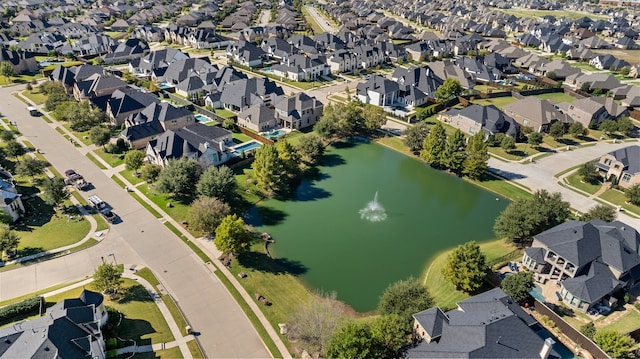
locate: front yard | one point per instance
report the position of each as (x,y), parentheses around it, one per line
(35,96)
(575,180)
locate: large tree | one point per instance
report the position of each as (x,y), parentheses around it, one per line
(614,343)
(9,239)
(600,211)
(534,139)
(133,160)
(455,152)
(466,267)
(206,214)
(475,165)
(373,117)
(392,332)
(633,194)
(589,172)
(6,69)
(517,286)
(232,235)
(108,278)
(310,148)
(449,89)
(625,126)
(30,167)
(354,340)
(54,191)
(524,218)
(577,130)
(314,322)
(326,126)
(434,146)
(290,158)
(179,177)
(608,127)
(414,136)
(99,135)
(405,298)
(150,172)
(268,169)
(508,143)
(14,148)
(219,182)
(557,130)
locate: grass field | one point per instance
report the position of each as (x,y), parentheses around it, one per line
(501,187)
(94,160)
(630,56)
(443,292)
(575,180)
(82,136)
(534,14)
(35,96)
(239,137)
(224,113)
(173,353)
(497,102)
(177,210)
(113,159)
(128,175)
(317,29)
(617,197)
(521,151)
(628,322)
(556,97)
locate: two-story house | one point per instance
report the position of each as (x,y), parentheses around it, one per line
(621,166)
(298,111)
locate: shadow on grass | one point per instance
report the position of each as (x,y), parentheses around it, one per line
(135,329)
(38,214)
(263,263)
(568,141)
(136,293)
(264,216)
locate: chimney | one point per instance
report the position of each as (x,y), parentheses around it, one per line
(221,146)
(546,348)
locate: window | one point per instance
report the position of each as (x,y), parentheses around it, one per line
(607,161)
(626,177)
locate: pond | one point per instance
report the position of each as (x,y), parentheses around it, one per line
(373,216)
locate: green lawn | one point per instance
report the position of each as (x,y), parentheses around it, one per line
(94,160)
(630,321)
(82,136)
(64,64)
(128,175)
(142,322)
(145,205)
(618,197)
(498,101)
(501,187)
(118,181)
(395,143)
(194,348)
(576,181)
(557,97)
(173,353)
(521,151)
(317,29)
(443,292)
(117,34)
(224,113)
(177,210)
(35,96)
(113,159)
(239,137)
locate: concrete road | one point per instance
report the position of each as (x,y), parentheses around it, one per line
(265,16)
(324,24)
(139,239)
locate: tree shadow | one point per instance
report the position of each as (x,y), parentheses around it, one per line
(331,160)
(264,216)
(568,141)
(135,329)
(504,174)
(135,293)
(307,191)
(182,198)
(27,251)
(38,214)
(263,263)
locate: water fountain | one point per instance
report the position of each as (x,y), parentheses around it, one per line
(373,212)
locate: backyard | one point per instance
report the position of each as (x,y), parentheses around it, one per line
(498,102)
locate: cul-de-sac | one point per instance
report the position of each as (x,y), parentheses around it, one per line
(319,179)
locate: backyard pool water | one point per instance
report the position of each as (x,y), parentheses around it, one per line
(536,293)
(202,118)
(165,86)
(246,147)
(274,134)
(560,348)
(47,63)
(347,239)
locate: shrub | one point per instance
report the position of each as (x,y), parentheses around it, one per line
(588,330)
(23,307)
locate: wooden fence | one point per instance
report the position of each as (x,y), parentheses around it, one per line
(254,135)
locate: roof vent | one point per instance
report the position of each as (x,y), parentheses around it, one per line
(622,228)
(7,341)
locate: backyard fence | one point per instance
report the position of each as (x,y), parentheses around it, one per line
(254,135)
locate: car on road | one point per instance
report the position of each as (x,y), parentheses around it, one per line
(104,209)
(33,111)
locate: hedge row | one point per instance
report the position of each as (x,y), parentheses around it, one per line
(24,307)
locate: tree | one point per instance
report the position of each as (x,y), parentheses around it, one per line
(133,160)
(9,239)
(7,136)
(517,286)
(232,235)
(608,127)
(454,152)
(589,172)
(557,130)
(206,214)
(218,182)
(508,143)
(326,125)
(450,88)
(434,145)
(466,267)
(391,331)
(150,172)
(108,278)
(314,322)
(552,75)
(290,158)
(625,126)
(268,168)
(14,149)
(415,135)
(588,330)
(6,69)
(625,71)
(228,124)
(585,87)
(577,130)
(405,298)
(353,340)
(601,212)
(534,139)
(179,177)
(374,117)
(614,343)
(310,148)
(475,165)
(633,194)
(525,217)
(30,167)
(55,191)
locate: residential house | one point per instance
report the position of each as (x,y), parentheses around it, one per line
(342,61)
(378,90)
(621,166)
(21,62)
(368,56)
(207,39)
(605,62)
(535,113)
(246,53)
(475,118)
(97,86)
(626,43)
(126,102)
(180,70)
(560,69)
(155,61)
(603,81)
(70,329)
(301,68)
(581,54)
(11,203)
(148,33)
(70,75)
(126,51)
(487,325)
(259,118)
(590,261)
(208,145)
(241,94)
(595,42)
(155,119)
(298,111)
(416,85)
(587,111)
(448,69)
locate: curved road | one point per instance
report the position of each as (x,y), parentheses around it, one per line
(141,239)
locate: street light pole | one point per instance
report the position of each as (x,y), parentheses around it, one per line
(114,258)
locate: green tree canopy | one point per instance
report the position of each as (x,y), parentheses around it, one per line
(30,167)
(602,212)
(133,160)
(557,130)
(455,152)
(589,172)
(466,267)
(219,182)
(232,236)
(150,172)
(614,343)
(99,135)
(534,139)
(9,239)
(6,69)
(14,148)
(374,117)
(54,191)
(625,126)
(608,127)
(475,165)
(449,89)
(589,330)
(310,148)
(354,340)
(206,214)
(107,279)
(577,130)
(415,135)
(392,332)
(179,177)
(290,158)
(517,286)
(405,298)
(434,146)
(268,169)
(508,143)
(633,194)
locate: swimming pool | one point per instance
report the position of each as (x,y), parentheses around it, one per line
(274,134)
(47,63)
(560,348)
(202,118)
(247,146)
(165,86)
(536,292)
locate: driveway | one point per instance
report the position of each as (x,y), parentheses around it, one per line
(139,239)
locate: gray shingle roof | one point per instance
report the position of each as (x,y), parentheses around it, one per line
(630,158)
